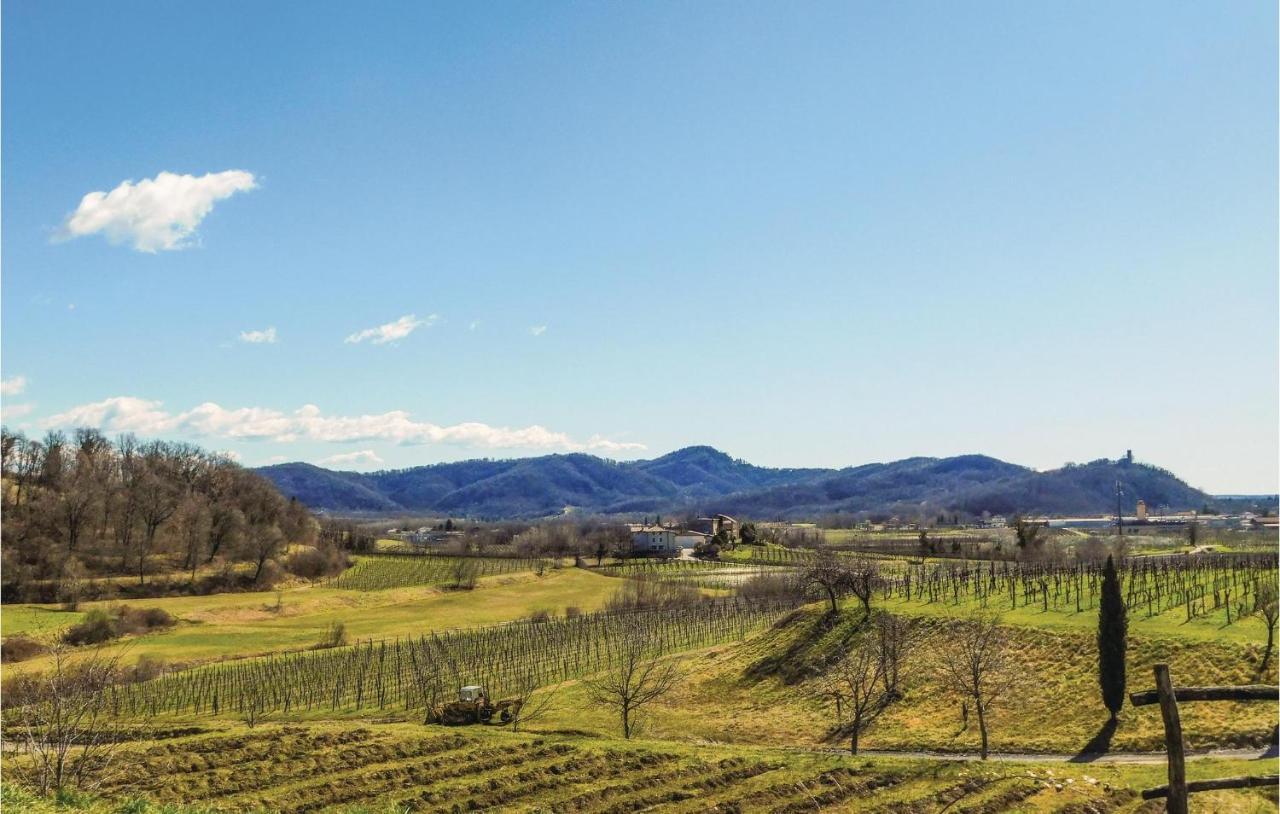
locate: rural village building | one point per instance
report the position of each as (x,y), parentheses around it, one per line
(654,540)
(711,526)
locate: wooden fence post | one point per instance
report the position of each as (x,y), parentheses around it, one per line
(1177,800)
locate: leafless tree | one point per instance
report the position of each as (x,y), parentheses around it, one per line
(1267,608)
(855,681)
(254,710)
(836,575)
(897,637)
(829,574)
(974,662)
(635,677)
(863,573)
(193,520)
(529,704)
(465,573)
(62,722)
(158,499)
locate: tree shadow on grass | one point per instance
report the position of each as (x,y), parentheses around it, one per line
(1098,745)
(816,643)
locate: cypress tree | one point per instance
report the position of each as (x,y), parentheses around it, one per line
(1113,630)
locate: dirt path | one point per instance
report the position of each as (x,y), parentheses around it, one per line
(1031,757)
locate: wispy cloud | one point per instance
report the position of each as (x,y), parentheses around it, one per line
(267,336)
(538,330)
(365,457)
(392,331)
(9,412)
(154,214)
(309,423)
(13,386)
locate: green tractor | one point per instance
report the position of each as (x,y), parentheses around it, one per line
(474,707)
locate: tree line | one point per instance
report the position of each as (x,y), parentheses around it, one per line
(79,506)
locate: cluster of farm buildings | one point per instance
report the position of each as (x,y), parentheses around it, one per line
(669,539)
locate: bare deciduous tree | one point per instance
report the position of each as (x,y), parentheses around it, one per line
(635,676)
(1267,608)
(974,662)
(528,704)
(836,575)
(62,722)
(896,638)
(855,683)
(829,574)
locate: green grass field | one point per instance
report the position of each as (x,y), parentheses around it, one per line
(223,626)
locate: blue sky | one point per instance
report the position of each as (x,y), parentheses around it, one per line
(807,234)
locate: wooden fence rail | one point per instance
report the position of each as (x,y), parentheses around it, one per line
(1168,697)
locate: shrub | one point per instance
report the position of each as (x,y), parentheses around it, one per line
(98,626)
(19,648)
(572,612)
(465,574)
(647,594)
(540,616)
(142,620)
(335,636)
(312,563)
(146,668)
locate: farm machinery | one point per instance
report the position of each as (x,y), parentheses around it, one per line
(474,707)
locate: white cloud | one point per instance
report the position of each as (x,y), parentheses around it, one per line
(538,330)
(266,336)
(277,459)
(308,423)
(365,457)
(12,411)
(13,386)
(231,454)
(392,331)
(155,214)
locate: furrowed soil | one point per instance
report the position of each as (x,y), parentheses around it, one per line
(403,767)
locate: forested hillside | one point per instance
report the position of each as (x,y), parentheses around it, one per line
(705,479)
(81,506)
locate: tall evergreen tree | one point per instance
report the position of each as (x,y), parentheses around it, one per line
(1113,631)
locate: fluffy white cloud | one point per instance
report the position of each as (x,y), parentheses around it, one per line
(13,386)
(308,423)
(392,331)
(538,330)
(155,214)
(365,457)
(266,336)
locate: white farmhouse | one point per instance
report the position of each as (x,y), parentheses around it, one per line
(691,539)
(654,540)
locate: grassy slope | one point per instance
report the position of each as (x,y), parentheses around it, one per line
(742,694)
(1171,624)
(243,624)
(373,768)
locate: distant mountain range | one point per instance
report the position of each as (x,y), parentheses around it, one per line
(704,479)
